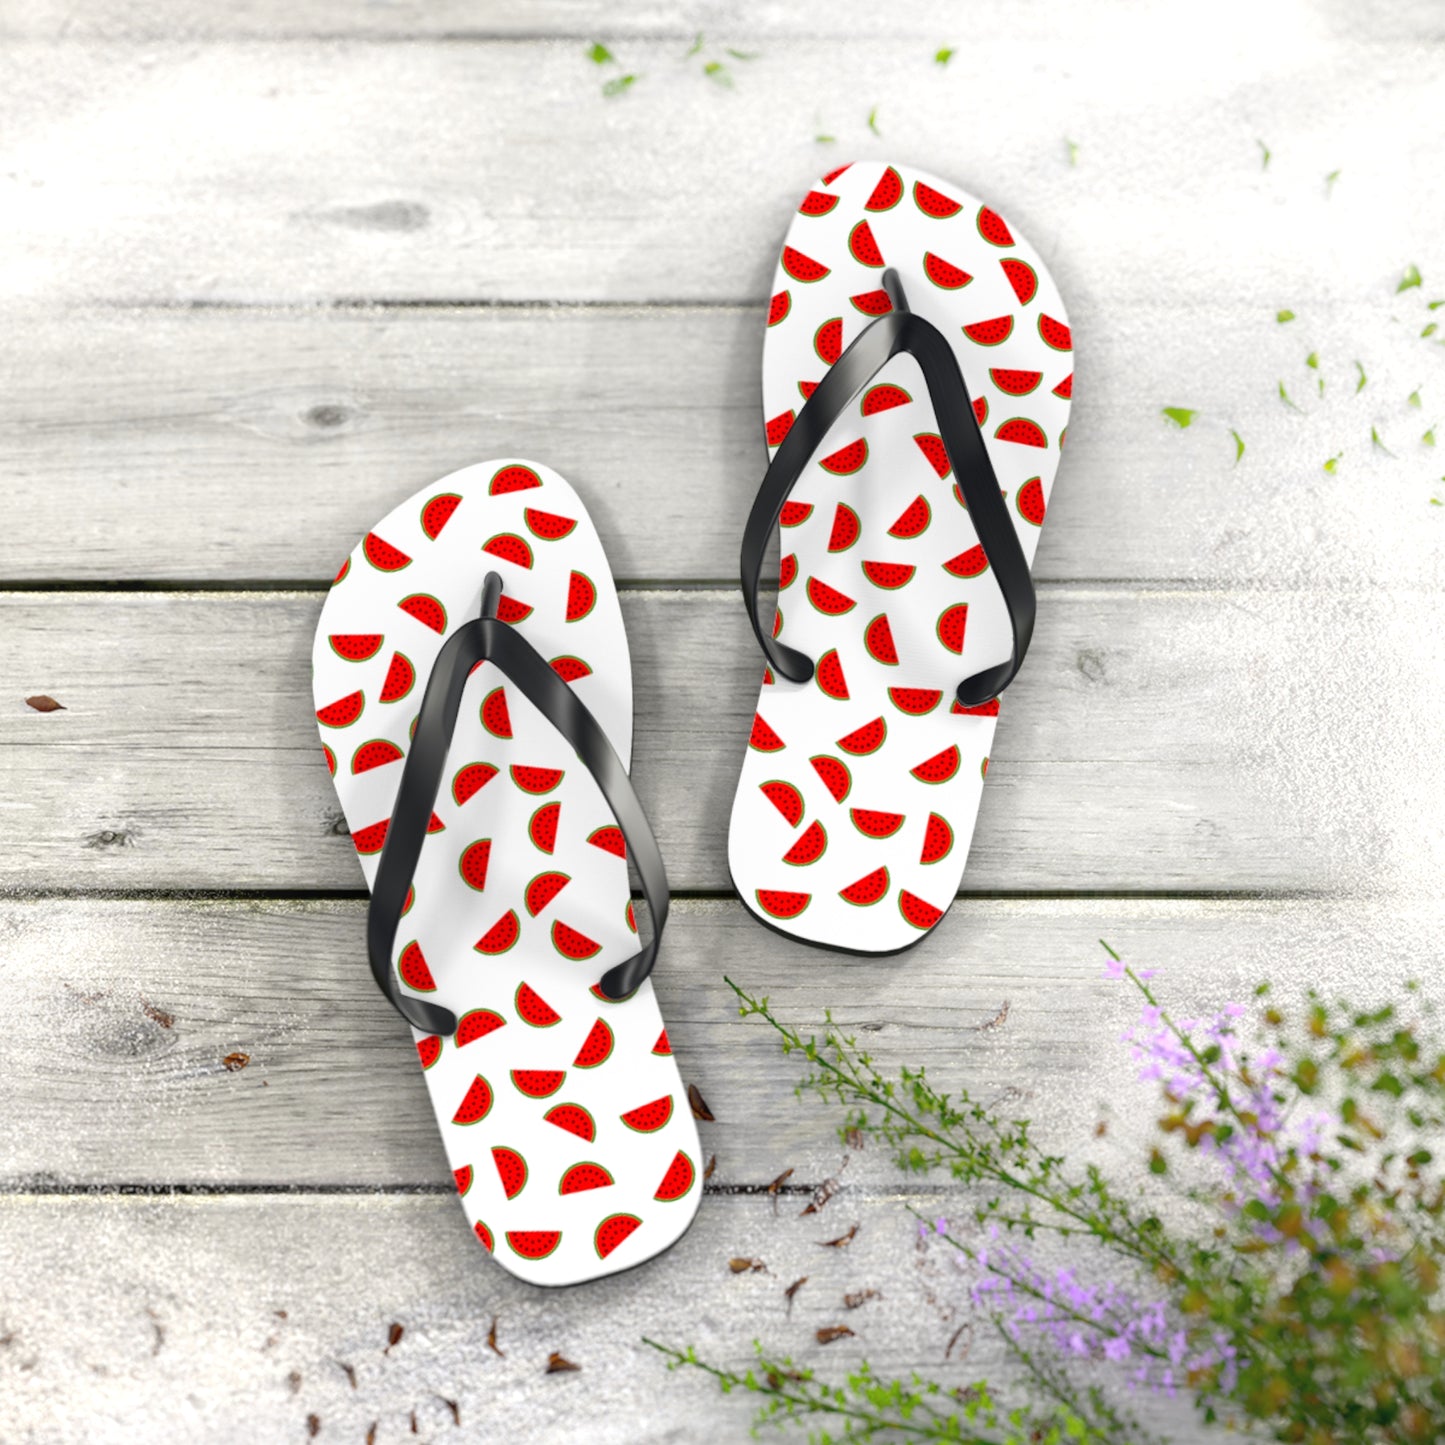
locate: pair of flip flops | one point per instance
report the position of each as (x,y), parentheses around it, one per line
(474,695)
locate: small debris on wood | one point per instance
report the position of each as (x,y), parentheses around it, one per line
(41,703)
(349,1371)
(966,1328)
(157,1015)
(111,838)
(281,1314)
(234,1063)
(829,1333)
(711,1165)
(313,1425)
(160,1331)
(294,1380)
(826,1190)
(854,1136)
(454,1408)
(393,1337)
(1100,1129)
(792,1289)
(776,1185)
(739,1265)
(414,1430)
(492,1344)
(776,1377)
(859,1297)
(559,1364)
(842,1241)
(996,1022)
(700,1109)
(371,1433)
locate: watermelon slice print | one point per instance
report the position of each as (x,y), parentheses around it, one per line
(867,890)
(343,712)
(476,1104)
(533,1244)
(679,1178)
(803,268)
(429,1050)
(846,528)
(1022,277)
(513,479)
(538,1083)
(779,903)
(469,780)
(548,526)
(809,848)
(992,228)
(382,555)
(463,1177)
(943,274)
(913,520)
(581,596)
(400,679)
(585,1176)
(847,460)
(610,839)
(649,1118)
(572,943)
(934,204)
(878,640)
(375,754)
(501,936)
(763,738)
(356,646)
(883,397)
(662,1048)
(613,1231)
(511,1169)
(835,775)
(427,610)
(476,1024)
(779,308)
(542,829)
(543,889)
(863,248)
(887,193)
(596,1048)
(437,513)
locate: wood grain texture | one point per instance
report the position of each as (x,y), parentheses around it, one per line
(234,1319)
(145,1000)
(229,447)
(181,172)
(1192,740)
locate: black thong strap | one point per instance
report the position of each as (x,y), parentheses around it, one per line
(899,331)
(490,640)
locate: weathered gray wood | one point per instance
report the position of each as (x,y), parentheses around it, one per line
(316,171)
(120,1014)
(1156,740)
(232,1319)
(228,446)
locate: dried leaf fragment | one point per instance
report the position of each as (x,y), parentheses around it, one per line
(776,1185)
(313,1425)
(711,1165)
(371,1433)
(41,703)
(234,1063)
(829,1333)
(700,1109)
(966,1328)
(492,1344)
(393,1337)
(349,1371)
(294,1381)
(454,1408)
(996,1022)
(792,1289)
(739,1265)
(823,1193)
(859,1297)
(157,1015)
(559,1364)
(842,1241)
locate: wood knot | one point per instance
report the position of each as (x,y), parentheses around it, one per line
(112,838)
(327,415)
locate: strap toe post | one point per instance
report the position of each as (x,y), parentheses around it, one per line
(898,331)
(488,639)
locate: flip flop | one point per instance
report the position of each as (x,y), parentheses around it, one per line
(474,694)
(917,372)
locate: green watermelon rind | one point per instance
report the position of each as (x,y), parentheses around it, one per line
(839,798)
(611,1045)
(537,878)
(517,1005)
(590,1136)
(655,1128)
(371,743)
(797,913)
(584,1164)
(794,790)
(949,776)
(611,1218)
(533,1256)
(892,832)
(815,825)
(938,626)
(532,827)
(572,957)
(411,681)
(462,864)
(662,1198)
(878,896)
(527,1094)
(346,657)
(516,937)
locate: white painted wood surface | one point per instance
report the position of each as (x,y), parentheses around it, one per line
(266,265)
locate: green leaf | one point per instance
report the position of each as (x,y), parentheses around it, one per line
(873,121)
(1429,438)
(1332,466)
(1284,396)
(744,54)
(1158,1164)
(1181,416)
(1313,361)
(1409,279)
(1430,329)
(1073,147)
(694,47)
(825,140)
(1414,397)
(1330,183)
(943,55)
(717,71)
(1264,153)
(1283,316)
(618,84)
(600,54)
(1377,440)
(1360,384)
(1238,446)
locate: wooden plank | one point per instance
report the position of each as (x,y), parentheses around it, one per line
(145,999)
(722,23)
(1156,740)
(229,1319)
(226,446)
(249,172)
